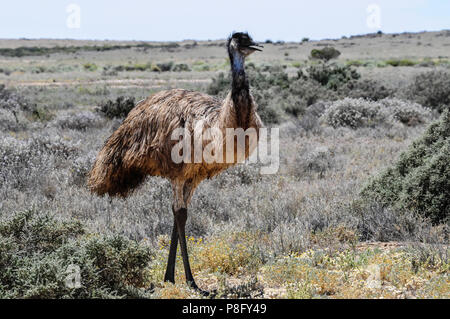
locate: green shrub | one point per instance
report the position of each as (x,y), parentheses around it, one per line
(121,261)
(109,70)
(31,232)
(5,71)
(325,54)
(39,69)
(431,89)
(331,76)
(138,67)
(37,253)
(219,85)
(311,91)
(268,76)
(90,67)
(118,108)
(420,180)
(271,90)
(181,67)
(268,108)
(165,67)
(400,62)
(367,89)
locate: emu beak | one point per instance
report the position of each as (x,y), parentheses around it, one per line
(256,46)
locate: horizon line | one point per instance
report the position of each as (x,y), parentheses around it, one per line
(222,39)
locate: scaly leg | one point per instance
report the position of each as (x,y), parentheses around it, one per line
(182,195)
(180,218)
(170,270)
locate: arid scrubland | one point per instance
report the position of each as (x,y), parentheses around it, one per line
(358,209)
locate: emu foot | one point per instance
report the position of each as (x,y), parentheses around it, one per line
(204,293)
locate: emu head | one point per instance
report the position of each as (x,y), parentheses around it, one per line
(242,44)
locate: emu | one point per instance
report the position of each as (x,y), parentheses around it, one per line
(143,143)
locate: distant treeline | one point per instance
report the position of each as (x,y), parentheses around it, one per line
(35,51)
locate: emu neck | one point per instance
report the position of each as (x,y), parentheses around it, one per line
(240,90)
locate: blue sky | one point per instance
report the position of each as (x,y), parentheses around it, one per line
(212,19)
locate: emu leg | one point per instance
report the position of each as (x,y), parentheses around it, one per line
(170,270)
(180,219)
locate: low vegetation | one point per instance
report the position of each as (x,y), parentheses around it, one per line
(400,62)
(420,180)
(370,273)
(431,89)
(358,208)
(159,67)
(83,120)
(15,103)
(118,108)
(38,51)
(280,97)
(42,257)
(325,54)
(356,113)
(45,257)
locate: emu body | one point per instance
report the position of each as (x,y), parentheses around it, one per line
(142,145)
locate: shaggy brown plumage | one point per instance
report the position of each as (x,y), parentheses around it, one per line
(142,145)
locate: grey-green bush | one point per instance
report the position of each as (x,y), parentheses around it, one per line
(420,180)
(118,108)
(331,76)
(37,252)
(357,113)
(325,54)
(13,102)
(431,89)
(79,121)
(367,89)
(181,67)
